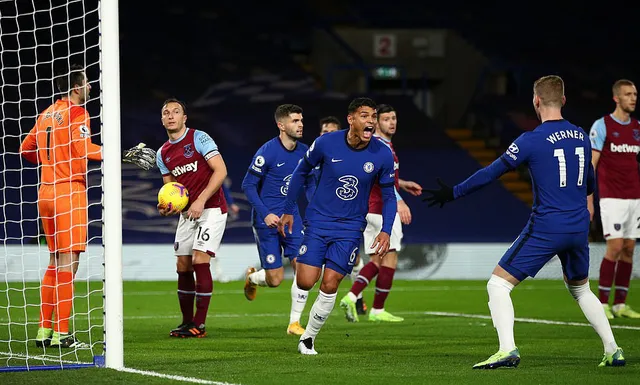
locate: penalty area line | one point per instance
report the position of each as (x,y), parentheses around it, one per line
(525,320)
(174,377)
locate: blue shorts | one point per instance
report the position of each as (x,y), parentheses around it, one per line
(335,249)
(272,246)
(531,251)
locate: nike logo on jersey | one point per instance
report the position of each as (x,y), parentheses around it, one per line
(280,164)
(336,160)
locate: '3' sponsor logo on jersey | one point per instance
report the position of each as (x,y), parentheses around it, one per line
(349,190)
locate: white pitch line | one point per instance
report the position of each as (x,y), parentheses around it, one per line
(525,320)
(395,289)
(172,377)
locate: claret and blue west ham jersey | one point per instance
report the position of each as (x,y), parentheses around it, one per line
(186,159)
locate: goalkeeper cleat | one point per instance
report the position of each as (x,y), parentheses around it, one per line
(43,338)
(607,311)
(305,346)
(615,359)
(349,308)
(384,316)
(189,330)
(250,288)
(624,311)
(66,341)
(501,359)
(295,329)
(361,307)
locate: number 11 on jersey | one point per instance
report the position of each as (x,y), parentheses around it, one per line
(562,165)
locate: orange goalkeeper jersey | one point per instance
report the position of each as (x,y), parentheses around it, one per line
(61,142)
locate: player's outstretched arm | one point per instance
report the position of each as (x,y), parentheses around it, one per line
(475,182)
(140,155)
(411,187)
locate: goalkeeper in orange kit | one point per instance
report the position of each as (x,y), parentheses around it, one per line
(60,142)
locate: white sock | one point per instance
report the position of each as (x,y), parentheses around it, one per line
(502,312)
(594,311)
(298,301)
(356,271)
(352,296)
(259,278)
(319,313)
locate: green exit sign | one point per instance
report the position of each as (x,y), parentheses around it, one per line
(386,72)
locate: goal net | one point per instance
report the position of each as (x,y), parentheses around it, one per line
(39,41)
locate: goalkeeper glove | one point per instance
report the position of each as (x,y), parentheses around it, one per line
(142,156)
(441,196)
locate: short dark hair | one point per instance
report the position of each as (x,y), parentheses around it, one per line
(619,83)
(284,110)
(384,109)
(66,81)
(174,100)
(329,120)
(361,102)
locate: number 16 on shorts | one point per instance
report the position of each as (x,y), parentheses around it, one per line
(204,234)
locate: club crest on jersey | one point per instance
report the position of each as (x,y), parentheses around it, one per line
(617,226)
(188,150)
(303,249)
(271,258)
(636,135)
(368,167)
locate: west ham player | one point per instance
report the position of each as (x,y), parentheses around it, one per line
(558,155)
(336,216)
(615,141)
(383,268)
(265,185)
(192,158)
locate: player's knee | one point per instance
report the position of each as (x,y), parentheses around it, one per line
(274,277)
(615,249)
(329,286)
(578,289)
(304,283)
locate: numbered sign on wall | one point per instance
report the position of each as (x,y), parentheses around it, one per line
(384,46)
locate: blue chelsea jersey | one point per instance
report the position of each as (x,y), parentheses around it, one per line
(558,155)
(345,179)
(267,180)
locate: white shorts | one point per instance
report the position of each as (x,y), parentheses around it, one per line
(374,227)
(620,218)
(203,234)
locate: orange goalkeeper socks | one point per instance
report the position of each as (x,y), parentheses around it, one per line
(65,301)
(47,297)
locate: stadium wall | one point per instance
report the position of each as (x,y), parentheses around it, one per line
(145,262)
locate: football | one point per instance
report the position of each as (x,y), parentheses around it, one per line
(173,195)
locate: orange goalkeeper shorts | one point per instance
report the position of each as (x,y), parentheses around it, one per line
(63,210)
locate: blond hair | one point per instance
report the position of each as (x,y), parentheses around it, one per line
(550,90)
(618,84)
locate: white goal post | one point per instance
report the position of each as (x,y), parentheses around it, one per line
(39,41)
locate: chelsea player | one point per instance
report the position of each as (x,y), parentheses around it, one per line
(265,185)
(558,155)
(336,216)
